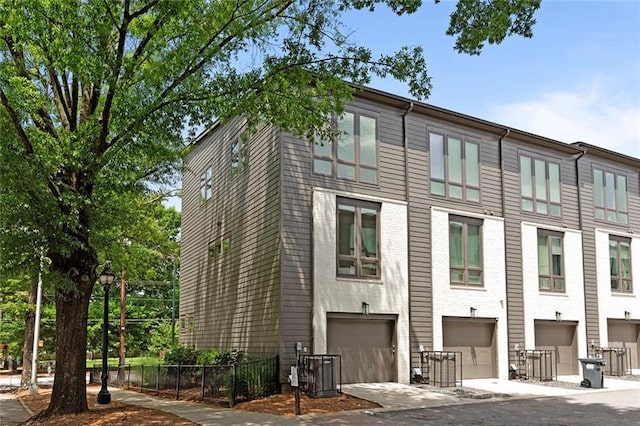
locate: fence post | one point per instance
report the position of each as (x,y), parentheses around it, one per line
(141,377)
(203,377)
(233,384)
(178,382)
(158,380)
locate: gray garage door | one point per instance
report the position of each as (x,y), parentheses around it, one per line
(367,347)
(559,337)
(476,340)
(625,335)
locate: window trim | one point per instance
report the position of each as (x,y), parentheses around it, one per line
(548,234)
(533,198)
(358,258)
(464,185)
(206,184)
(606,210)
(620,279)
(356,163)
(466,221)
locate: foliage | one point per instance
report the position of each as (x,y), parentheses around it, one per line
(217,357)
(95,96)
(182,355)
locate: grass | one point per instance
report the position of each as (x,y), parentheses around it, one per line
(133,361)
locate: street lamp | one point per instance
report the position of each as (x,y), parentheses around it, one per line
(106,278)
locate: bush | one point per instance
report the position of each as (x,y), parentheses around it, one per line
(216,357)
(182,355)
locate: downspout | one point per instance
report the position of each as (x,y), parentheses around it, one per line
(580,225)
(407,191)
(504,216)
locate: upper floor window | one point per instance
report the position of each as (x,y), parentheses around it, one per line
(610,196)
(354,154)
(239,153)
(620,264)
(465,251)
(206,180)
(550,261)
(540,186)
(219,246)
(358,238)
(455,167)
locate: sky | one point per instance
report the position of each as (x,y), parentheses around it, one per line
(577,79)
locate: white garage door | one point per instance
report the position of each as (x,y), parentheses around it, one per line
(476,340)
(367,347)
(559,337)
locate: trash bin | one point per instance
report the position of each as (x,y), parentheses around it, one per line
(592,372)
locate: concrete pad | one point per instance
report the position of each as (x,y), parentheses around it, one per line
(517,387)
(397,396)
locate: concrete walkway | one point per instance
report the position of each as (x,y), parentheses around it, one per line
(11,410)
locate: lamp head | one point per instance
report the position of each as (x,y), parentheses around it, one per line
(106,276)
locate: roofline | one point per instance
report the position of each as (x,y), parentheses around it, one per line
(607,153)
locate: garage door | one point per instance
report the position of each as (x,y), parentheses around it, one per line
(560,338)
(367,347)
(625,335)
(476,340)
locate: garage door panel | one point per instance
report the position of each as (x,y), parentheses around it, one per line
(476,343)
(559,338)
(625,335)
(366,348)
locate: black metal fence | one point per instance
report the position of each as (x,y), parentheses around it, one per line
(618,361)
(441,368)
(230,384)
(539,365)
(321,375)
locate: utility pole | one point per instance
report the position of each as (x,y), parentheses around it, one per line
(123,322)
(173,302)
(33,388)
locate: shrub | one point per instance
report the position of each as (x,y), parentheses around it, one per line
(182,355)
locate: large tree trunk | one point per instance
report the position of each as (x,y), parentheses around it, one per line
(29,330)
(69,395)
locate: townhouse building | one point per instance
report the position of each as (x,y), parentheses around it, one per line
(419,228)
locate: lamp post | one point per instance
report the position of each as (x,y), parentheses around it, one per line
(106,278)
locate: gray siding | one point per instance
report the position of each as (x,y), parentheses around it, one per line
(232,301)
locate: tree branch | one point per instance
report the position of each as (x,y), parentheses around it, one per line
(13,115)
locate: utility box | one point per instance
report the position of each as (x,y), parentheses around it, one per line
(592,372)
(322,375)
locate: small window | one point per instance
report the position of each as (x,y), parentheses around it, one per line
(354,153)
(219,246)
(239,153)
(610,196)
(620,264)
(550,262)
(465,251)
(540,186)
(358,239)
(455,167)
(206,181)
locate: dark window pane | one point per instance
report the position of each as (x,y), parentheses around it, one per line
(456,249)
(346,230)
(369,233)
(346,267)
(322,167)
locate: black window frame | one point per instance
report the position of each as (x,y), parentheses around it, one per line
(358,257)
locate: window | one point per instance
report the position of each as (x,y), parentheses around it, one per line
(455,167)
(550,262)
(239,153)
(206,179)
(620,264)
(610,196)
(358,239)
(219,246)
(465,251)
(539,186)
(354,154)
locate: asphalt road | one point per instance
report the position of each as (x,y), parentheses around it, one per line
(592,408)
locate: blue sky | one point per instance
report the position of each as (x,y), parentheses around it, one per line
(578,78)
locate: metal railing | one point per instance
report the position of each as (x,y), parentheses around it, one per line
(535,364)
(321,375)
(245,381)
(618,361)
(441,368)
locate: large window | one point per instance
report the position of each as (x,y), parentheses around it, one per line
(358,239)
(610,196)
(239,153)
(455,167)
(354,154)
(465,251)
(206,180)
(620,264)
(540,186)
(550,261)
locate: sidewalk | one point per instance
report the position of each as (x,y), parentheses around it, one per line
(11,410)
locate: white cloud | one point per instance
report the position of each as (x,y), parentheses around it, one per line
(600,116)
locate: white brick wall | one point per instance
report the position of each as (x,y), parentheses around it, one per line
(490,300)
(388,296)
(544,305)
(613,305)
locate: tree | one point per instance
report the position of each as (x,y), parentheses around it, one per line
(97,93)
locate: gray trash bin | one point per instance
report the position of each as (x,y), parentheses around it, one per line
(592,372)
